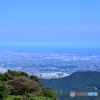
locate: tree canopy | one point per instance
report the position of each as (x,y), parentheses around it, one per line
(23,85)
(20,86)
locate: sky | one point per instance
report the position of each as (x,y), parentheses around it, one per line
(50,22)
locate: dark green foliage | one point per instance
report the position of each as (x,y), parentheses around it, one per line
(3,77)
(36,79)
(16,85)
(23,74)
(78,82)
(49,93)
(15,73)
(4,91)
(11,72)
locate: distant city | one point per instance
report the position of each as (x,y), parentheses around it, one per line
(48,65)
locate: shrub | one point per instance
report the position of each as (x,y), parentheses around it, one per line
(14,98)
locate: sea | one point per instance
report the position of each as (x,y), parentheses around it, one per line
(53,49)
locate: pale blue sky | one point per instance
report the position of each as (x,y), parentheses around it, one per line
(50,22)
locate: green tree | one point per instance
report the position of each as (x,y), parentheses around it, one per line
(4,90)
(48,92)
(15,73)
(20,83)
(35,78)
(23,85)
(3,77)
(23,74)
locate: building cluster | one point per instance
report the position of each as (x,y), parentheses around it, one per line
(48,65)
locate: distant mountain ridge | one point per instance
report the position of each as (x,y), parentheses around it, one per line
(88,81)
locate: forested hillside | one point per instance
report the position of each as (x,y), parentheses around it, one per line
(79,82)
(20,86)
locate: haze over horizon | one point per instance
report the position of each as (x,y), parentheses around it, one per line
(54,23)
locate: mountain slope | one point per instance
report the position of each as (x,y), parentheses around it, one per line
(88,81)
